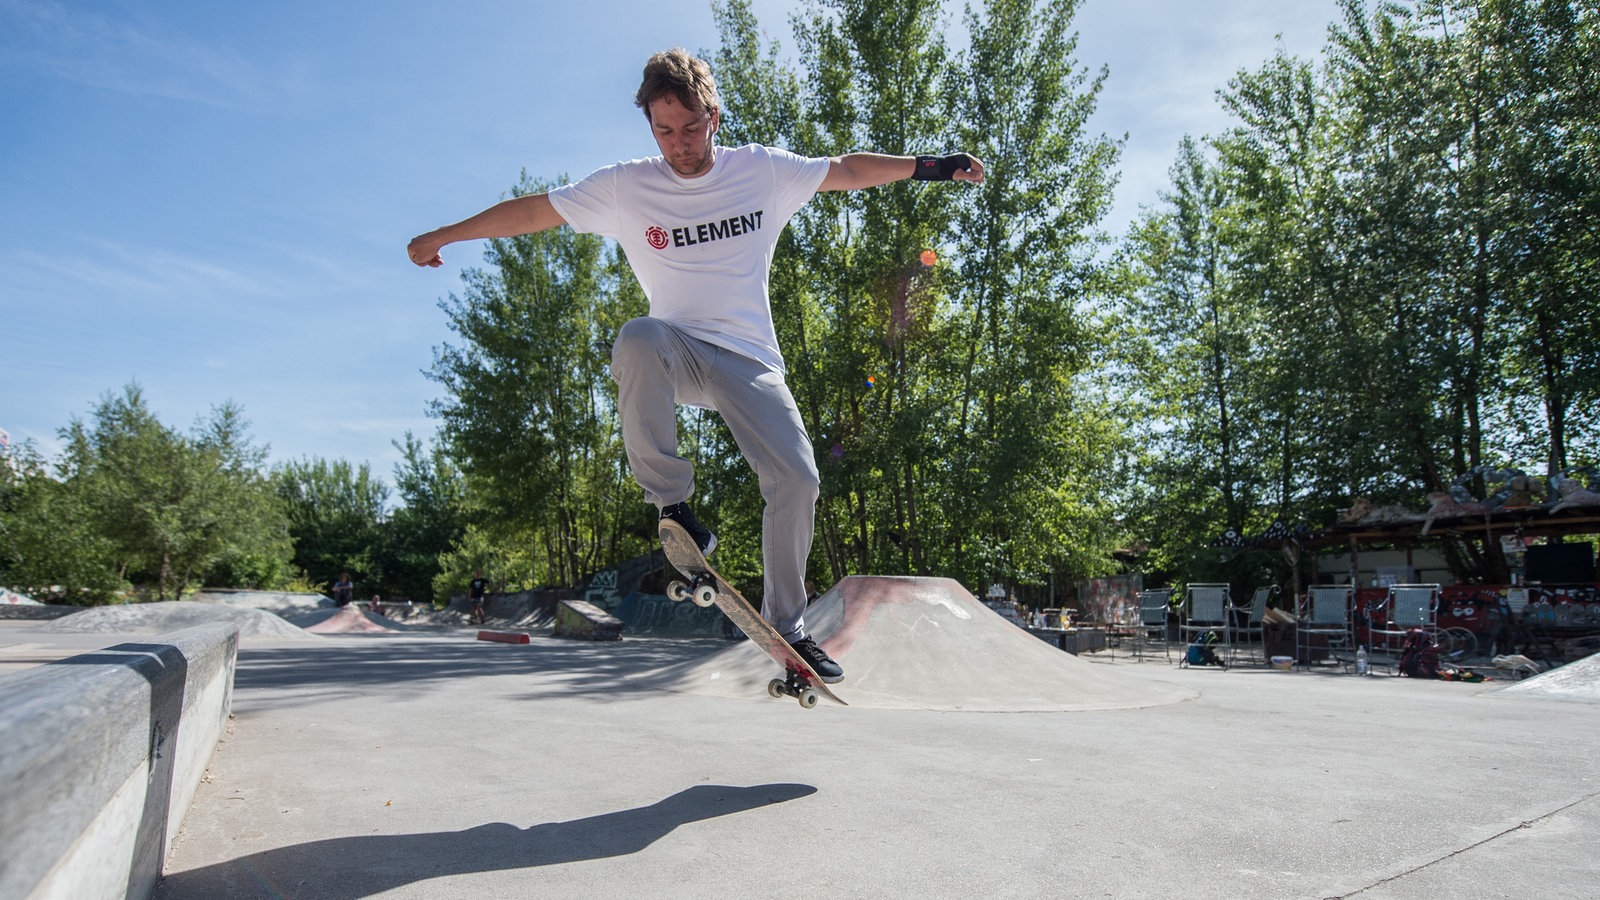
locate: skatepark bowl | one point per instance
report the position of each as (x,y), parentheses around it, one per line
(405,758)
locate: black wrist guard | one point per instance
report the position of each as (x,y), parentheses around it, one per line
(941,168)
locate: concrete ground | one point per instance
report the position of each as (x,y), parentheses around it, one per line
(433,765)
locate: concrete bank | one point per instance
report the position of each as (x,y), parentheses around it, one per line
(103,753)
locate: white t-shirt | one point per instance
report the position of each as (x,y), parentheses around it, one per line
(701,247)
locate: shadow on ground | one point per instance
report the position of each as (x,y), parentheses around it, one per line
(362,866)
(295,673)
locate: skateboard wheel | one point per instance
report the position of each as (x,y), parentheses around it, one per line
(775,688)
(808,698)
(705,595)
(677,592)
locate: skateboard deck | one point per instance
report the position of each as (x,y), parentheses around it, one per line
(707,588)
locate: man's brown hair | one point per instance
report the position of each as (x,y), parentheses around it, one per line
(677,74)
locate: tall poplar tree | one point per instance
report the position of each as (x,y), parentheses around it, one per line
(529,412)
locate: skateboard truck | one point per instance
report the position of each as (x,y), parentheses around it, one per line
(703,591)
(794,684)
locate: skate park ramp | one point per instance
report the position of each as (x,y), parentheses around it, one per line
(927,643)
(171,615)
(283,603)
(344,620)
(1576,681)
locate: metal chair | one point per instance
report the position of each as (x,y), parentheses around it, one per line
(1251,630)
(1205,608)
(1326,615)
(1153,607)
(1405,607)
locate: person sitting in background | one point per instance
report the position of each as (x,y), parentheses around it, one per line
(342,590)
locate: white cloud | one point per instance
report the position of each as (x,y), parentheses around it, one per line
(1167,62)
(97,50)
(125,271)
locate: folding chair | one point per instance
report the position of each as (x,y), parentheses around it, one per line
(1153,606)
(1205,608)
(1252,628)
(1326,615)
(1406,606)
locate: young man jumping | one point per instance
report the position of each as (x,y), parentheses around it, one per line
(699,224)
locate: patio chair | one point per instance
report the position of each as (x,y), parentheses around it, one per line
(1325,622)
(1250,629)
(1405,607)
(1153,607)
(1205,608)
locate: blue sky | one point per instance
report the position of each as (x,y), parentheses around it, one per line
(213,199)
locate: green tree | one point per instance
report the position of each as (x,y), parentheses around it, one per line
(1466,124)
(171,508)
(1034,439)
(49,548)
(529,413)
(1521,73)
(428,522)
(252,548)
(878,72)
(966,372)
(336,517)
(1377,270)
(1184,362)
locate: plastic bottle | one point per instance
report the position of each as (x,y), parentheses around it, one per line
(1361,660)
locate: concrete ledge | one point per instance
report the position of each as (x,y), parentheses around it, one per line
(29,611)
(103,753)
(583,620)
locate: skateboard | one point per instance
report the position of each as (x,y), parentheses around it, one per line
(706,588)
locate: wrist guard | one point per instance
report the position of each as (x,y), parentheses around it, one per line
(941,168)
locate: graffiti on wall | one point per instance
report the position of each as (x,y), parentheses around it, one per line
(655,614)
(602,590)
(1112,601)
(616,590)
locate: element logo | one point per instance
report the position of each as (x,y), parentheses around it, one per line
(657,236)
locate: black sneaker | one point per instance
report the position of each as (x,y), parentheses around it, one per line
(830,671)
(704,539)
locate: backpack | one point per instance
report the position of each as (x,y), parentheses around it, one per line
(1200,652)
(1419,655)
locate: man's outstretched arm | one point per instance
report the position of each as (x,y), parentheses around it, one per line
(855,171)
(508,218)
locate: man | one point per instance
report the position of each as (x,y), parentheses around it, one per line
(476,590)
(699,224)
(343,590)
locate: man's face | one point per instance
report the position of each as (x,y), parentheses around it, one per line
(683,135)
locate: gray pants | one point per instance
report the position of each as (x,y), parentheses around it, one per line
(656,367)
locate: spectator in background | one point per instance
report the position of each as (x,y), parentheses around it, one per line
(343,589)
(476,591)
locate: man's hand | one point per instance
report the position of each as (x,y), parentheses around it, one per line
(855,171)
(424,250)
(954,167)
(973,174)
